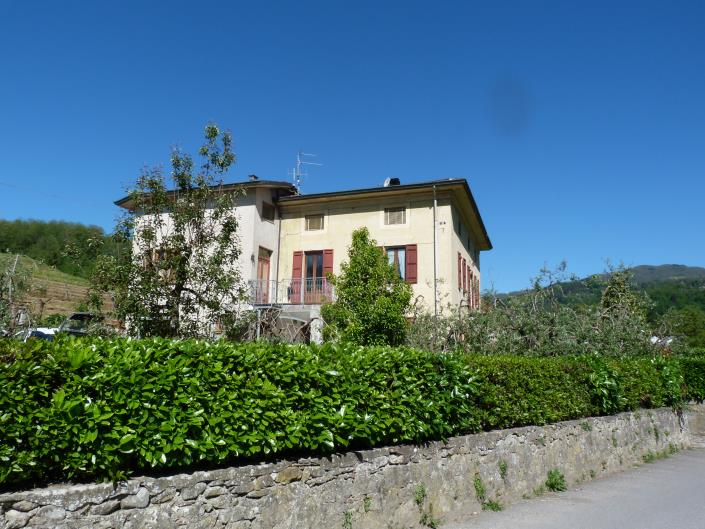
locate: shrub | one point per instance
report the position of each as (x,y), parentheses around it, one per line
(371,298)
(555,481)
(85,409)
(694,376)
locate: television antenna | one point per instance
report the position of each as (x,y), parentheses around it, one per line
(299,171)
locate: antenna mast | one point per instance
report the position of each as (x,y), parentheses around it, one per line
(298,172)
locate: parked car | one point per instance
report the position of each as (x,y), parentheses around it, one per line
(40,333)
(79,323)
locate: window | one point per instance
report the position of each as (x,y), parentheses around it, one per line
(397,258)
(268,211)
(314,222)
(395,216)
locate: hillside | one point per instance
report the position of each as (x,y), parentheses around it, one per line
(668,286)
(50,291)
(64,246)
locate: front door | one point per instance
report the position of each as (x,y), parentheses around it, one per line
(263,260)
(314,281)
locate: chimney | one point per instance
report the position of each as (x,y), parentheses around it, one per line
(253,177)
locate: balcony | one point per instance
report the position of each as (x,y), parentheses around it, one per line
(291,292)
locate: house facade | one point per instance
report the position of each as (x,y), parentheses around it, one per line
(432,232)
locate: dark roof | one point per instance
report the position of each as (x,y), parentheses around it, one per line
(445,183)
(124,201)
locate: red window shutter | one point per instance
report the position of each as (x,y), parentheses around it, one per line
(327,262)
(411,268)
(477,293)
(465,276)
(460,271)
(471,287)
(296,274)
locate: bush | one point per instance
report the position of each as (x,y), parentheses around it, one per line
(694,377)
(84,409)
(102,409)
(371,298)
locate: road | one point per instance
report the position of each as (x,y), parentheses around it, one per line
(667,494)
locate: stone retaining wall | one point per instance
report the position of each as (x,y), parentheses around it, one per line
(387,488)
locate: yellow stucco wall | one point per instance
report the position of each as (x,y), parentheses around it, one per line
(344,216)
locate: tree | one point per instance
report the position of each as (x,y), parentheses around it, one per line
(179,276)
(14,283)
(688,324)
(372,300)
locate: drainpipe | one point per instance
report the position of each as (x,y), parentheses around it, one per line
(279,238)
(435,265)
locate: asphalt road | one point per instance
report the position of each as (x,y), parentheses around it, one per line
(667,494)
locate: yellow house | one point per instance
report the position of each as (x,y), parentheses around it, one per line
(431,231)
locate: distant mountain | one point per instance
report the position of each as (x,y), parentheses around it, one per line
(646,274)
(668,286)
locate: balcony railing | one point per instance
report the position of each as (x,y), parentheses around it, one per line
(291,292)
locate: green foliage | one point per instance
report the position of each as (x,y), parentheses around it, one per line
(179,276)
(693,368)
(371,299)
(100,409)
(14,282)
(428,520)
(420,494)
(480,491)
(536,323)
(55,243)
(492,505)
(555,481)
(347,520)
(83,409)
(687,324)
(502,468)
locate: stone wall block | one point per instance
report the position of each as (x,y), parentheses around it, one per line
(136,501)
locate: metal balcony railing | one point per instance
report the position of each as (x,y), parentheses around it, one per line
(291,292)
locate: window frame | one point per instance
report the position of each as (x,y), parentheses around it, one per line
(311,215)
(385,215)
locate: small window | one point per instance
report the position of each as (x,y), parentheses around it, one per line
(394,216)
(268,211)
(314,222)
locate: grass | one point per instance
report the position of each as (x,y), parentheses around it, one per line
(502,468)
(492,505)
(40,271)
(480,491)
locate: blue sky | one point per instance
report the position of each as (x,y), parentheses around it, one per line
(579,125)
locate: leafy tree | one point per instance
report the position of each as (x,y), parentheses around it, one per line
(688,324)
(618,297)
(14,283)
(179,277)
(371,299)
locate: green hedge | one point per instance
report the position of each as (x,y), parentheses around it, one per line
(694,376)
(101,409)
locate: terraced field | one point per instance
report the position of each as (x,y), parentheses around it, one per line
(50,291)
